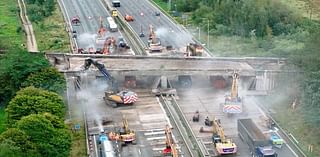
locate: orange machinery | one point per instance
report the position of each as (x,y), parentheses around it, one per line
(170,149)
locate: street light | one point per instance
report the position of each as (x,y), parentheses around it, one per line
(199,35)
(208,35)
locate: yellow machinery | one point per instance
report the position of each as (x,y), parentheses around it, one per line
(222,145)
(233,103)
(170,150)
(127,135)
(154,42)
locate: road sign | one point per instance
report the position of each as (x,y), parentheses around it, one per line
(77,126)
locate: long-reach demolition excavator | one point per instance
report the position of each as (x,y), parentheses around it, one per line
(113,96)
(154,43)
(233,103)
(223,146)
(125,135)
(171,149)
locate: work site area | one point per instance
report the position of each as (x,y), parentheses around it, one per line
(144,87)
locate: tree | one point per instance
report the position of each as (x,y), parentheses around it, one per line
(9,149)
(32,100)
(19,139)
(49,79)
(15,67)
(49,141)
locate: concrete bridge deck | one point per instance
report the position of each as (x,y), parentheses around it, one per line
(169,66)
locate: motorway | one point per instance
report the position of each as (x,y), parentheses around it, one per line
(89,13)
(144,15)
(146,116)
(207,101)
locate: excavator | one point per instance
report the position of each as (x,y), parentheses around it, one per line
(171,149)
(154,42)
(113,96)
(233,103)
(125,135)
(223,146)
(194,49)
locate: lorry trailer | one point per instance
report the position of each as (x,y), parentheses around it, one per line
(258,144)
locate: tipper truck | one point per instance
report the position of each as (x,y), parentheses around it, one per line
(259,145)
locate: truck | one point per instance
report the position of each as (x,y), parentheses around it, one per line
(259,145)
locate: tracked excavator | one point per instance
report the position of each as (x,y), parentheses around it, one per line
(113,96)
(223,145)
(154,42)
(124,135)
(233,103)
(171,149)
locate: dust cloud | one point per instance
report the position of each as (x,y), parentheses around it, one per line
(90,98)
(87,40)
(175,37)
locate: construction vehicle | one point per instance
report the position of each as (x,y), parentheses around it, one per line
(113,96)
(128,18)
(223,145)
(75,20)
(196,116)
(124,135)
(102,31)
(106,146)
(154,43)
(259,145)
(208,122)
(171,149)
(194,49)
(233,103)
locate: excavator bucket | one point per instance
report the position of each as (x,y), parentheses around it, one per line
(116,98)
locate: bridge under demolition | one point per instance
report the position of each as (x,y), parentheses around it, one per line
(258,73)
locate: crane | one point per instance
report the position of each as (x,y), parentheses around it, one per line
(113,96)
(171,149)
(221,143)
(233,103)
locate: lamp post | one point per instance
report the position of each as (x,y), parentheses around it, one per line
(208,35)
(199,33)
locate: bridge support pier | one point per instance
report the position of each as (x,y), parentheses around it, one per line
(185,81)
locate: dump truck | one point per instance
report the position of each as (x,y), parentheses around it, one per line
(259,145)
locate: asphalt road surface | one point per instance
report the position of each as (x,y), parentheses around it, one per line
(143,13)
(89,13)
(207,100)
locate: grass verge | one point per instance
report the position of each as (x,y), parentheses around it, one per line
(10,25)
(293,122)
(51,34)
(78,148)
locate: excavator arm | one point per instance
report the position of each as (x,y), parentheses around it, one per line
(88,62)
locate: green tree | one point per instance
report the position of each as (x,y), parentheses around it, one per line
(9,149)
(32,100)
(20,140)
(15,67)
(49,79)
(49,141)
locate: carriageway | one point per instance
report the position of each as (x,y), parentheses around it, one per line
(259,72)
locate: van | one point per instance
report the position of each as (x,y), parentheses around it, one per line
(116,3)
